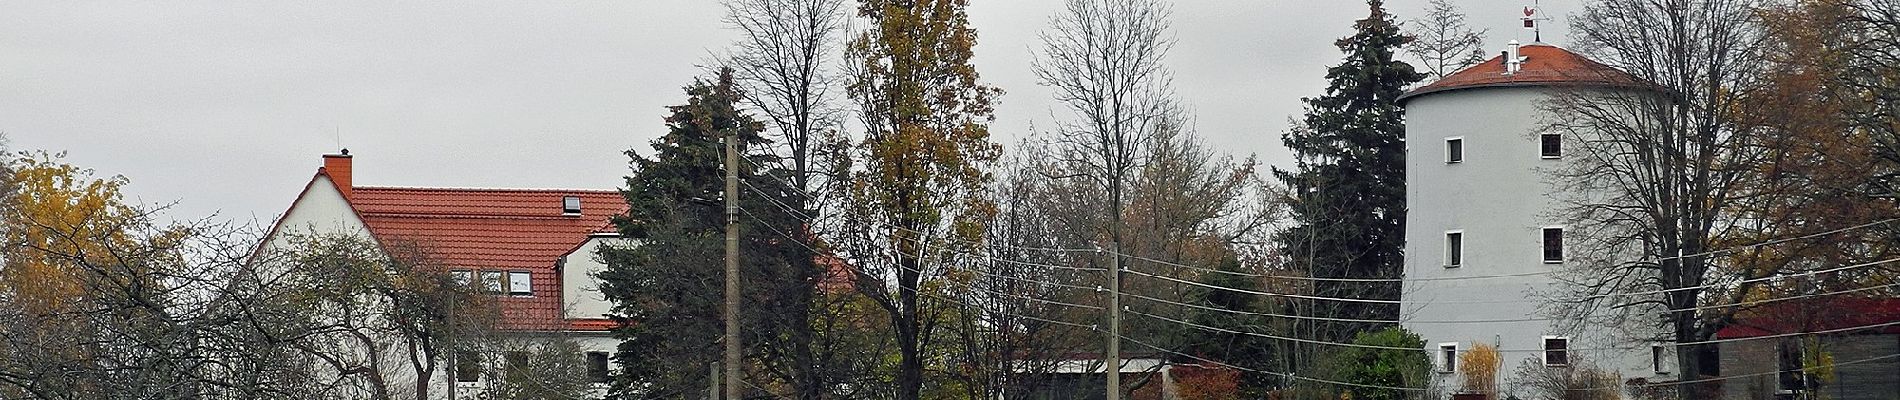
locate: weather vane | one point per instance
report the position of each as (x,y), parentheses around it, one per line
(1532,14)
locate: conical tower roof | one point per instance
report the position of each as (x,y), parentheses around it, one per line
(1544,65)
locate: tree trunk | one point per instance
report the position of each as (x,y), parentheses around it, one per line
(910,368)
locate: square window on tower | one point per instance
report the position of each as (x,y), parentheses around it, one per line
(1556,351)
(1454,249)
(1454,150)
(1553,245)
(1552,146)
(1447,357)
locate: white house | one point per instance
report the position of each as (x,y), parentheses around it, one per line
(1482,227)
(534,247)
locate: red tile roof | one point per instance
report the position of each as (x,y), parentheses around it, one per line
(495,229)
(1845,313)
(1544,65)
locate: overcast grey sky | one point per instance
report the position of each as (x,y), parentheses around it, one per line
(224,107)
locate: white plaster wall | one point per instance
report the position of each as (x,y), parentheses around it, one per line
(580,291)
(1499,197)
(587,342)
(321,209)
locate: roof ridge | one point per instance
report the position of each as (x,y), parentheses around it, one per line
(478,216)
(482,189)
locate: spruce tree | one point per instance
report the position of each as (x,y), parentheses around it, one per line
(1349,184)
(1242,318)
(668,283)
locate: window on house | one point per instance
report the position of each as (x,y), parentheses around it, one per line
(1554,245)
(571,205)
(461,276)
(597,366)
(520,283)
(1454,249)
(1793,379)
(1556,351)
(1552,145)
(491,281)
(517,366)
(1454,150)
(468,367)
(1447,357)
(1656,353)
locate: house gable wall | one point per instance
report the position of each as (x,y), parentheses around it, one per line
(320,209)
(580,290)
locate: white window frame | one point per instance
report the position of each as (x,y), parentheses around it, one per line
(1563,247)
(1658,353)
(1460,249)
(607,372)
(1560,146)
(492,281)
(455,370)
(1461,150)
(1447,361)
(1544,355)
(462,277)
(526,284)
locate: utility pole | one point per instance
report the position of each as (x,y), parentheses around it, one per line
(712,393)
(1112,363)
(732,264)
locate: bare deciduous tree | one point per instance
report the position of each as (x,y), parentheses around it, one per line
(1658,169)
(1104,58)
(1442,43)
(781,62)
(782,66)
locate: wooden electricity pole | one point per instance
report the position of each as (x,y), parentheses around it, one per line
(1112,362)
(732,265)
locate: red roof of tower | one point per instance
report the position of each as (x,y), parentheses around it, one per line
(1544,65)
(497,230)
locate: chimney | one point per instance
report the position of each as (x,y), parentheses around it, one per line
(1513,61)
(337,166)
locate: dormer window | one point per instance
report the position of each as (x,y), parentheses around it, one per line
(519,283)
(571,205)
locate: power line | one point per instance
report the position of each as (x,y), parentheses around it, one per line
(1671,344)
(941,298)
(1561,300)
(1477,277)
(1777,277)
(1356,320)
(1262,371)
(808,217)
(1296,377)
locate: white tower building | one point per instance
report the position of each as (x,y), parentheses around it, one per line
(1481,228)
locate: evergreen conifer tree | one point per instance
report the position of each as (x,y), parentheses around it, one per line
(1349,183)
(1241,315)
(668,284)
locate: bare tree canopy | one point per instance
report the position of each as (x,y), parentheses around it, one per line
(783,64)
(1104,60)
(1442,42)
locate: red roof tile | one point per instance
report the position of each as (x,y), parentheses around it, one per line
(1544,65)
(494,229)
(1819,315)
(592,324)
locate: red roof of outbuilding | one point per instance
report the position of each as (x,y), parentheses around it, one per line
(1839,315)
(495,230)
(1544,65)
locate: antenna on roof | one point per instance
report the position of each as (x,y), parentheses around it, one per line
(1532,14)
